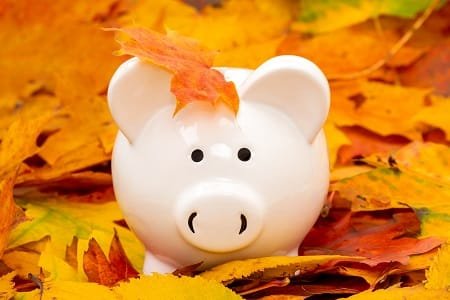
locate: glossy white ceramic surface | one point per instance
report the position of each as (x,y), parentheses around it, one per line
(232,204)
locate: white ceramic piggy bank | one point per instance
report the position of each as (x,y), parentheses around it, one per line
(209,185)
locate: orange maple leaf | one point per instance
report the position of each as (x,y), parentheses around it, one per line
(190,63)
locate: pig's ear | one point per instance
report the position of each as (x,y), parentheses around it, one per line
(136,92)
(293,85)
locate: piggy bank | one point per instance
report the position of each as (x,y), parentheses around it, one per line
(209,185)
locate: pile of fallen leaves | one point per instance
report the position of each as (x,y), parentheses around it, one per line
(385,231)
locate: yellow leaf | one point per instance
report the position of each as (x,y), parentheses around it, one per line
(340,173)
(428,160)
(69,290)
(436,114)
(81,129)
(156,286)
(70,162)
(31,108)
(24,259)
(20,142)
(81,141)
(159,286)
(438,276)
(419,181)
(56,266)
(384,109)
(335,139)
(7,286)
(269,267)
(248,56)
(63,219)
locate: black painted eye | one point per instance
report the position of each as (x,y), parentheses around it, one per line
(197,155)
(244,154)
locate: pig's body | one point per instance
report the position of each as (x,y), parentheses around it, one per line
(228,205)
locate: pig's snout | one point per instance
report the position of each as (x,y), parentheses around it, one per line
(194,214)
(219,217)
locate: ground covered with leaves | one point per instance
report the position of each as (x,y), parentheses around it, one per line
(385,231)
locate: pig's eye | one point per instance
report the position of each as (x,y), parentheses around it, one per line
(244,154)
(197,155)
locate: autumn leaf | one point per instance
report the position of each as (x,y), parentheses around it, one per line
(56,267)
(270,267)
(193,79)
(416,159)
(24,259)
(7,286)
(156,286)
(438,276)
(98,269)
(159,286)
(374,111)
(408,186)
(10,214)
(360,47)
(400,293)
(64,219)
(381,238)
(431,70)
(388,206)
(19,143)
(435,115)
(58,289)
(119,260)
(336,139)
(320,16)
(363,142)
(71,256)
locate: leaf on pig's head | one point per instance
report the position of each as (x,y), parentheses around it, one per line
(188,61)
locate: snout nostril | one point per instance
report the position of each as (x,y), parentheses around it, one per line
(243,224)
(191,220)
